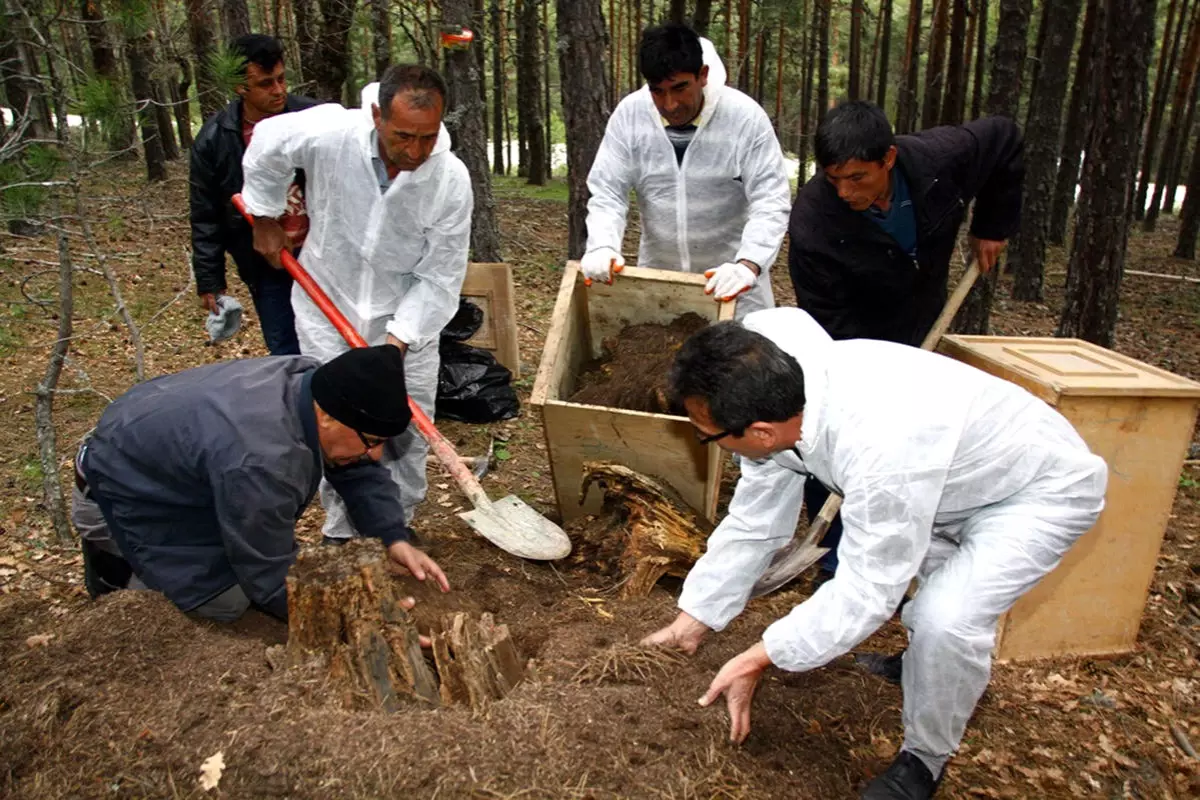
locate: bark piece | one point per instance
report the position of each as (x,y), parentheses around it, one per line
(666,536)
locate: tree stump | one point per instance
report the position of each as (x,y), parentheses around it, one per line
(666,536)
(346,610)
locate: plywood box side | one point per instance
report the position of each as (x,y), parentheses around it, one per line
(1093,601)
(641,296)
(560,339)
(490,286)
(951,348)
(657,445)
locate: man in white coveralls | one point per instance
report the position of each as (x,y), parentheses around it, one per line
(960,479)
(710,178)
(390,219)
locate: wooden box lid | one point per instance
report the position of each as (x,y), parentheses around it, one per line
(1052,368)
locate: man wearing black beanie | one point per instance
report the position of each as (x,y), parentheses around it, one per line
(191,484)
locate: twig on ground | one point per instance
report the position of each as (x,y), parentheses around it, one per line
(1181,739)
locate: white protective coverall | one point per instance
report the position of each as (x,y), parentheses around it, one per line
(392,262)
(950,475)
(729,199)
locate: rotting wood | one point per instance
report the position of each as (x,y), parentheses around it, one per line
(666,535)
(347,610)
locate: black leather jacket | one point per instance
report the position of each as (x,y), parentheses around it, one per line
(215,176)
(856,281)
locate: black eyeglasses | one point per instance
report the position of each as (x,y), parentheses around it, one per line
(702,439)
(371,442)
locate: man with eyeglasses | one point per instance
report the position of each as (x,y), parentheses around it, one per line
(954,477)
(191,484)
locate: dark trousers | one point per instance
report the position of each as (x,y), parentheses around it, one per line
(815,495)
(272,296)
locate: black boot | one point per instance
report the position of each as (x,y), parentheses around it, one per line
(890,668)
(103,572)
(906,779)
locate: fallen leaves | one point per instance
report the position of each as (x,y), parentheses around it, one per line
(211,771)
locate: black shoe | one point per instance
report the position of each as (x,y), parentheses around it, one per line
(906,779)
(890,668)
(334,541)
(103,572)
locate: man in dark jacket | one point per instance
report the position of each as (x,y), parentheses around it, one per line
(199,477)
(873,232)
(216,175)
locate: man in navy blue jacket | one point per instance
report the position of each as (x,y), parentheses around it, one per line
(200,476)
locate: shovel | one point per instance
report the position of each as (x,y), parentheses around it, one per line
(800,554)
(509,523)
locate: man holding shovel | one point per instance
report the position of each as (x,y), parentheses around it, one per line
(191,484)
(957,478)
(390,219)
(709,175)
(873,232)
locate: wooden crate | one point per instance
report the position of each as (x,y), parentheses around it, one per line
(1139,419)
(659,445)
(490,287)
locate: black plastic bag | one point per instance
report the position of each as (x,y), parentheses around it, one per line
(465,323)
(473,386)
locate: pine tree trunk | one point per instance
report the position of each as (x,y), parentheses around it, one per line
(1176,129)
(1004,99)
(981,35)
(935,66)
(120,135)
(1164,73)
(584,89)
(200,35)
(549,166)
(743,68)
(885,54)
(1035,63)
(235,18)
(479,26)
(22,88)
(823,61)
(779,47)
(499,144)
(677,12)
(181,105)
(807,122)
(1177,158)
(958,67)
(1102,226)
(381,37)
(529,90)
(163,117)
(1078,124)
(856,23)
(1027,253)
(906,97)
(307,22)
(702,18)
(1189,215)
(464,119)
(139,52)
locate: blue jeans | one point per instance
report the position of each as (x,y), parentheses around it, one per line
(815,495)
(272,296)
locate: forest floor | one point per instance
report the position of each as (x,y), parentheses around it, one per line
(126,697)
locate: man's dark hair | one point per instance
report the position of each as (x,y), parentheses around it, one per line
(423,82)
(742,376)
(259,49)
(669,49)
(853,130)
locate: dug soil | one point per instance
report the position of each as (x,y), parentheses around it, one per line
(127,698)
(632,373)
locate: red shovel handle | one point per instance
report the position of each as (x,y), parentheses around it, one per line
(441,447)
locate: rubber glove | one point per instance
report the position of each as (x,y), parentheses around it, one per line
(728,281)
(600,264)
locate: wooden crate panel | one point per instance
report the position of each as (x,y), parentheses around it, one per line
(490,287)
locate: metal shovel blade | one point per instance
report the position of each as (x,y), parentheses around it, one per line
(797,556)
(510,524)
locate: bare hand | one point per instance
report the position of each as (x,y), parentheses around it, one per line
(402,345)
(208,301)
(404,556)
(737,680)
(269,239)
(685,634)
(408,603)
(987,252)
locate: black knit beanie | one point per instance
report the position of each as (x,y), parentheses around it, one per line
(364,389)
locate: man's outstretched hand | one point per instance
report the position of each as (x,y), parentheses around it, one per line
(403,557)
(685,634)
(737,680)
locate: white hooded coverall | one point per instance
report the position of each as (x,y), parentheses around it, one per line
(950,475)
(729,200)
(392,262)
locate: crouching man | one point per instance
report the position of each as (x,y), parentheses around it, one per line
(964,481)
(191,484)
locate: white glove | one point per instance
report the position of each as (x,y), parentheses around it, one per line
(599,264)
(728,281)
